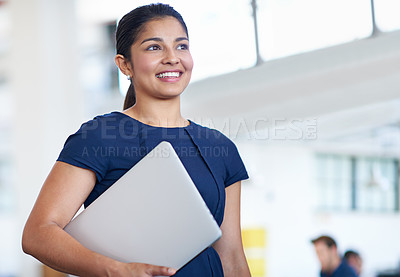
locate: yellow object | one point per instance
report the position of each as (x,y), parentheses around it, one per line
(254,237)
(257,267)
(254,243)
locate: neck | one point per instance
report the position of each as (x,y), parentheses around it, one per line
(160,113)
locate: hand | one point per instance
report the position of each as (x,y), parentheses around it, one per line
(146,270)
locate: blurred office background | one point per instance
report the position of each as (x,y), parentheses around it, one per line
(310,94)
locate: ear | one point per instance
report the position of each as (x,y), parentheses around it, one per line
(124,65)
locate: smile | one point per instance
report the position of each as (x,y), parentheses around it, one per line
(173,74)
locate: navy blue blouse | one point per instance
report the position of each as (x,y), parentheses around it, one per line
(111,144)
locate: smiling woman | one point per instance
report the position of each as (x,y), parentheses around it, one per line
(149,49)
(153,51)
(160,64)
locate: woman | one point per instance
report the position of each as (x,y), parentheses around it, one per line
(153,51)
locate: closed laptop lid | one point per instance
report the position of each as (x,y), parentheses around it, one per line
(153,214)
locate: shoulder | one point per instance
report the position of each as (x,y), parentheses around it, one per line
(91,147)
(214,137)
(215,143)
(220,152)
(106,126)
(346,270)
(101,130)
(100,123)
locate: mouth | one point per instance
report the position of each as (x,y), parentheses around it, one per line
(169,74)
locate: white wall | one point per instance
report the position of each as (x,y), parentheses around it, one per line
(279,196)
(9,241)
(47,101)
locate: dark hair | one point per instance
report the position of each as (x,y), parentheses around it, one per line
(350,253)
(129,28)
(326,239)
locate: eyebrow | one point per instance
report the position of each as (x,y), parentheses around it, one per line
(160,39)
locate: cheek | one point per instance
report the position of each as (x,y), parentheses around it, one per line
(187,62)
(322,257)
(143,64)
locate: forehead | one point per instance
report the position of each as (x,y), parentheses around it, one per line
(320,246)
(161,27)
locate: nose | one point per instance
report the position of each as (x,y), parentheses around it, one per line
(170,57)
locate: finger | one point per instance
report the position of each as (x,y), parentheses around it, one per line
(161,270)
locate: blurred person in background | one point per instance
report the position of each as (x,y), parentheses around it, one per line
(331,263)
(353,258)
(153,52)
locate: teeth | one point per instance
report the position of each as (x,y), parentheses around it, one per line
(168,74)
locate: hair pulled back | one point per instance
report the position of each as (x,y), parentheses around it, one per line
(129,28)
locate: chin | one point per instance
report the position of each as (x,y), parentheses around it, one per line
(167,96)
(171,93)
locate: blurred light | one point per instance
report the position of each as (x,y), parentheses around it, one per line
(123,83)
(387,14)
(294,26)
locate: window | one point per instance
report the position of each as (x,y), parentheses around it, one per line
(288,27)
(357,183)
(387,14)
(376,184)
(334,182)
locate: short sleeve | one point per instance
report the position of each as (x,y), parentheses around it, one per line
(85,149)
(235,168)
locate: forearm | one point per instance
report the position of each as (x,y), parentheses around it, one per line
(54,247)
(236,270)
(235,264)
(229,246)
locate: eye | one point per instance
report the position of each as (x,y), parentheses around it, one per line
(183,46)
(153,47)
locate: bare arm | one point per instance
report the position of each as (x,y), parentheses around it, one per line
(62,194)
(229,246)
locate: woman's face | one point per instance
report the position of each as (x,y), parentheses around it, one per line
(161,60)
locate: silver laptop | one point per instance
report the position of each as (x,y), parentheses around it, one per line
(153,214)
